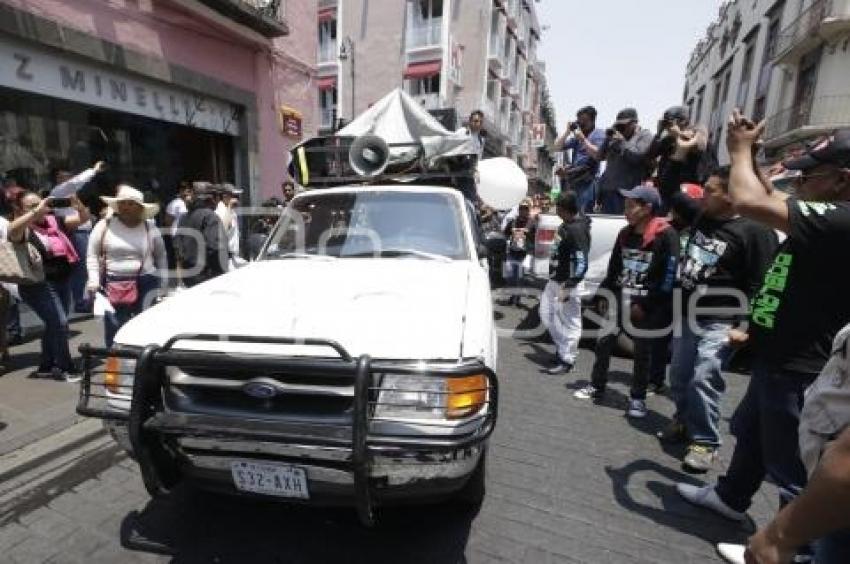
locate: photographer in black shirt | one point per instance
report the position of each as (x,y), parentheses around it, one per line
(801,305)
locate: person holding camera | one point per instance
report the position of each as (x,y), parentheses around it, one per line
(35,223)
(695,162)
(584,139)
(626,149)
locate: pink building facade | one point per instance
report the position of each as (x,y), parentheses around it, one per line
(163,90)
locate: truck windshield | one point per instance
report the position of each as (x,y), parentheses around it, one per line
(370,224)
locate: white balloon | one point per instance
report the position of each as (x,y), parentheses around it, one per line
(502,184)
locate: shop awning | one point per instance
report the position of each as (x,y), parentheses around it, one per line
(422,70)
(327,82)
(327,14)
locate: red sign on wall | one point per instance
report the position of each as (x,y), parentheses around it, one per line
(291,122)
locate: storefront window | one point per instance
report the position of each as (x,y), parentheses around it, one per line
(39,134)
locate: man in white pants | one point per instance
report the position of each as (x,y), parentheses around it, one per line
(560,306)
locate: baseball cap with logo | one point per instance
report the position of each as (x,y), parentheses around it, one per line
(646,194)
(834,149)
(626,116)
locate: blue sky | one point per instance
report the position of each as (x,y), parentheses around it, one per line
(618,53)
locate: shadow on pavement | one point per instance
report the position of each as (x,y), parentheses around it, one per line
(196,526)
(675,513)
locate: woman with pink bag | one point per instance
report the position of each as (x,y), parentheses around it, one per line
(34,222)
(126,258)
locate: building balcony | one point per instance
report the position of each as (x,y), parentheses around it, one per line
(425,38)
(428,101)
(266,17)
(822,21)
(327,54)
(803,121)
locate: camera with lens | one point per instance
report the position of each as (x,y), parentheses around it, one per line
(610,132)
(573,126)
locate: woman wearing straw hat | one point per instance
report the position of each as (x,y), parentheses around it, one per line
(126,258)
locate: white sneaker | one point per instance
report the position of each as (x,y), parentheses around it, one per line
(637,408)
(706,497)
(732,553)
(588,392)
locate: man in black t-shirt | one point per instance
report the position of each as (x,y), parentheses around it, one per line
(721,266)
(802,303)
(560,303)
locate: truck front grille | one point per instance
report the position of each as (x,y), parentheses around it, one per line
(260,394)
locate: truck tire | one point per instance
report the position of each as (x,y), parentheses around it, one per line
(472,493)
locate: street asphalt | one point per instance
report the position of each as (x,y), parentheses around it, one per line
(568,481)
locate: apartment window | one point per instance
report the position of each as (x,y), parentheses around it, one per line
(429,9)
(327,41)
(746,72)
(805,93)
(718,90)
(425,24)
(727,80)
(327,107)
(425,90)
(700,100)
(759,108)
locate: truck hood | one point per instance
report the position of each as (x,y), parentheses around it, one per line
(387,308)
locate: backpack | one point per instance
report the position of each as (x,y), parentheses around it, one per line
(826,410)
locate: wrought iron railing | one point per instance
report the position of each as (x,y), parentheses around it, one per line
(824,112)
(806,24)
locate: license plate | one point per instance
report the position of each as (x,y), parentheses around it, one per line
(270,479)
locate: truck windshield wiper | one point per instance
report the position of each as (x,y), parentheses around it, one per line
(390,253)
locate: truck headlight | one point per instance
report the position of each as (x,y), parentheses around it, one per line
(118,375)
(430,397)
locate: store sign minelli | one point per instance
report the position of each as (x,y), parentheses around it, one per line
(26,68)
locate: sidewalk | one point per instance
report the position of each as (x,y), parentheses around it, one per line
(34,408)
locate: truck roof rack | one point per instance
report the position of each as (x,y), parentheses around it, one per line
(324,162)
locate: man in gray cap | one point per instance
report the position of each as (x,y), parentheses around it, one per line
(626,150)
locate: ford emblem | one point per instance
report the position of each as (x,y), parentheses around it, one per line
(260,390)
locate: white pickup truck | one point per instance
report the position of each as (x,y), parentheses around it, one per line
(353,363)
(603,235)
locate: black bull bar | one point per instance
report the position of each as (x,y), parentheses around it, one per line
(158,463)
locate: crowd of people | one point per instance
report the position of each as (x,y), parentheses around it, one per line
(699,273)
(124,257)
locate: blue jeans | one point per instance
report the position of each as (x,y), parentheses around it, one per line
(79,274)
(51,303)
(612,203)
(696,381)
(834,548)
(585,195)
(765,426)
(514,279)
(112,321)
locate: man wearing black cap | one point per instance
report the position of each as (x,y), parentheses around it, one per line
(641,273)
(584,139)
(801,305)
(200,243)
(625,149)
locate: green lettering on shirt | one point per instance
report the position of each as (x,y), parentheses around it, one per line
(769,298)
